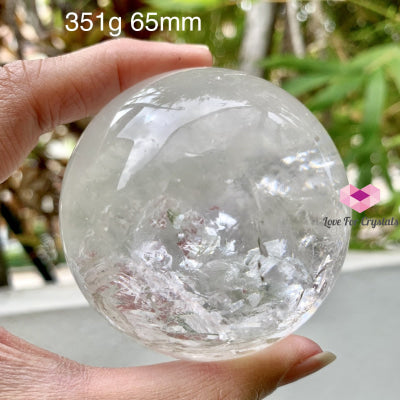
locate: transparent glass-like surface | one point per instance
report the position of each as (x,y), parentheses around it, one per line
(192,213)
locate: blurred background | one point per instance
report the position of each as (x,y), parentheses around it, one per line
(340,58)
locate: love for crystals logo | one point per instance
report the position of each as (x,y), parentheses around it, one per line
(360,199)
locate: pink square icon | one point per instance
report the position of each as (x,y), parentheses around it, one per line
(360,199)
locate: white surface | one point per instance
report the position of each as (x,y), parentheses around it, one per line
(49,297)
(359,260)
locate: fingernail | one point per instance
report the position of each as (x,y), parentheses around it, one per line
(308,367)
(200,46)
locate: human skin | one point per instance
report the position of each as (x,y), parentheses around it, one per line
(36,96)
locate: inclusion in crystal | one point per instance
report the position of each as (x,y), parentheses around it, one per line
(192,213)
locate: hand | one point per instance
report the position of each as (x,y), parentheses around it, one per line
(30,373)
(35,96)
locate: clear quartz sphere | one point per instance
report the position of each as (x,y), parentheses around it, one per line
(192,213)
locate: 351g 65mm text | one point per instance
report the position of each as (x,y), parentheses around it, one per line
(151,22)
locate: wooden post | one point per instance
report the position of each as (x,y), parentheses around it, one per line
(260,21)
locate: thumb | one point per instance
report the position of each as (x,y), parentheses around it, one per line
(37,95)
(247,378)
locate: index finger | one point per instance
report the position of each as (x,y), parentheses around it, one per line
(37,95)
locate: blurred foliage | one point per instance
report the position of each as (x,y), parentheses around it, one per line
(353,87)
(349,77)
(185,5)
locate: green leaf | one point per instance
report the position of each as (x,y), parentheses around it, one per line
(303,84)
(338,90)
(374,104)
(364,173)
(302,64)
(393,69)
(387,12)
(374,56)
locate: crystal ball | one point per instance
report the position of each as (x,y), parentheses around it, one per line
(192,213)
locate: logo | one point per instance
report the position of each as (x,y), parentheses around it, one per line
(360,199)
